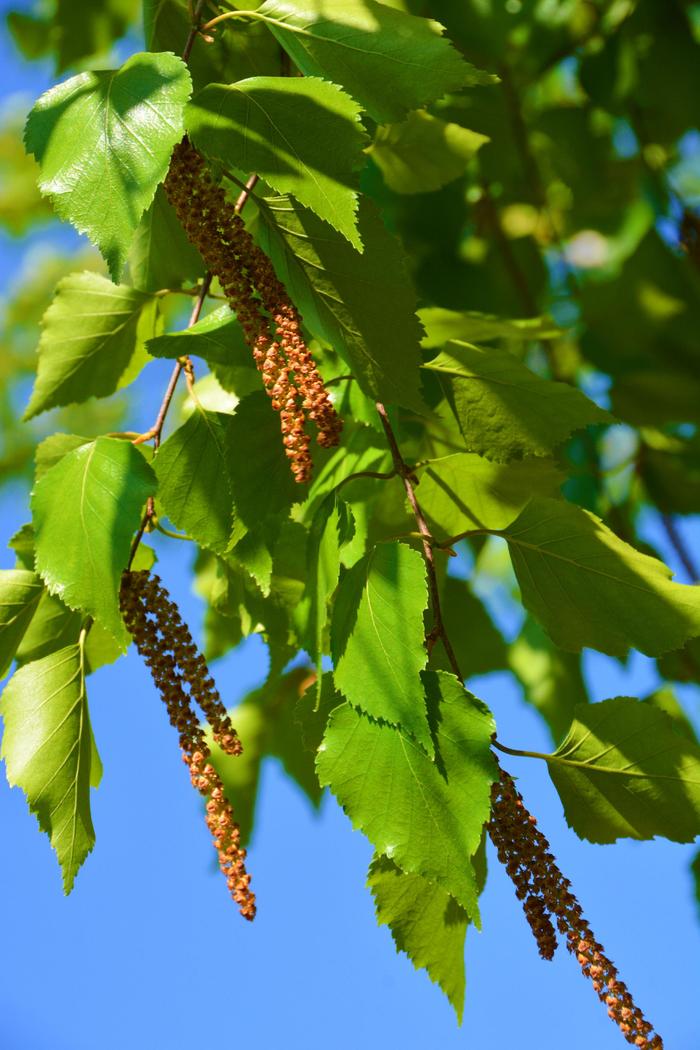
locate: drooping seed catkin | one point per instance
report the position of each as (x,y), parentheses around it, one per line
(547,899)
(181,676)
(271,323)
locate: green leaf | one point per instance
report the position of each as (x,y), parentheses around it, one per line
(463,492)
(303,136)
(589,588)
(20,592)
(470,326)
(50,753)
(378,638)
(551,679)
(218,340)
(74,32)
(161,256)
(52,449)
(389,61)
(426,816)
(261,481)
(103,142)
(86,509)
(266,726)
(478,646)
(623,771)
(53,627)
(313,708)
(362,305)
(331,528)
(504,410)
(194,487)
(89,335)
(426,923)
(423,153)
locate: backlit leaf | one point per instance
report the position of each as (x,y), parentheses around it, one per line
(425,815)
(103,142)
(378,638)
(20,592)
(86,510)
(49,752)
(90,333)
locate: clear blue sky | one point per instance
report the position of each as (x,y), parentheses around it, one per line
(148,951)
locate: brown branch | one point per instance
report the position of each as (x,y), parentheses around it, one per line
(157,429)
(196,17)
(408,479)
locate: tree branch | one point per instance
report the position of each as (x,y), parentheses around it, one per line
(409,481)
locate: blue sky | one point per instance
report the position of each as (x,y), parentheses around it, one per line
(148,951)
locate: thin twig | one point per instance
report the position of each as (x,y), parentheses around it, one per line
(381,475)
(157,429)
(196,16)
(408,479)
(246,192)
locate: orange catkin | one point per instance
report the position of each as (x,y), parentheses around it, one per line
(181,676)
(271,323)
(547,898)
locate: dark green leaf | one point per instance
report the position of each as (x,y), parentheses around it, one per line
(442,326)
(389,61)
(303,136)
(423,153)
(478,646)
(194,488)
(623,771)
(161,256)
(551,679)
(504,410)
(261,481)
(589,588)
(362,305)
(465,492)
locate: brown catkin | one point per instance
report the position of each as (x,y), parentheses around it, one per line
(181,676)
(547,899)
(271,323)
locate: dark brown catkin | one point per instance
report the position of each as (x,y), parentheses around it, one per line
(547,898)
(181,676)
(271,323)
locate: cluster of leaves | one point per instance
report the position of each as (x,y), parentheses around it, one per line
(429,204)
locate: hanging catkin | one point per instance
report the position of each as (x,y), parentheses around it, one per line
(546,896)
(181,676)
(271,323)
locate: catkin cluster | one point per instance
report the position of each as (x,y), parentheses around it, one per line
(181,676)
(271,323)
(547,898)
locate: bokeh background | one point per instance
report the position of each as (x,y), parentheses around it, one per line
(148,951)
